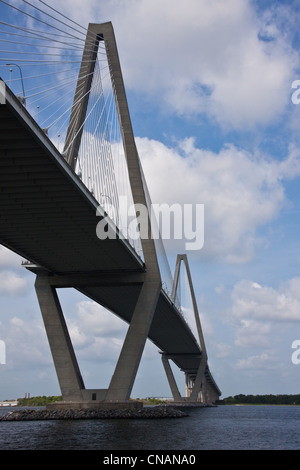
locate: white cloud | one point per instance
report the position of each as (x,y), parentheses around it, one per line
(262,321)
(264,361)
(255,302)
(96,333)
(26,343)
(253,334)
(221,351)
(200,57)
(12,284)
(262,318)
(204,57)
(97,320)
(240,191)
(8,258)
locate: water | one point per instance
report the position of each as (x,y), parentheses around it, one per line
(219,428)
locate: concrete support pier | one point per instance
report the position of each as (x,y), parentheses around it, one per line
(133,347)
(129,360)
(67,369)
(148,300)
(126,369)
(171,379)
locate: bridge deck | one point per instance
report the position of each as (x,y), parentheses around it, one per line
(48,217)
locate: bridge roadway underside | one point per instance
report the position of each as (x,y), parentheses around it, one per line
(48,217)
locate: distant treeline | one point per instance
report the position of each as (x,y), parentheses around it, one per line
(240,399)
(38,401)
(261,400)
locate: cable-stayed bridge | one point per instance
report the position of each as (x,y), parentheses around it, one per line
(70,175)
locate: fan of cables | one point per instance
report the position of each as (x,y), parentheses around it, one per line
(41,60)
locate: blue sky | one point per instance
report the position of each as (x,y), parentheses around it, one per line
(209,86)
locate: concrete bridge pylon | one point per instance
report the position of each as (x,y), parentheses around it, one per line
(57,233)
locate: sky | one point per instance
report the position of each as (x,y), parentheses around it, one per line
(212,91)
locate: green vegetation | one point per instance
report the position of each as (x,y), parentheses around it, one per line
(261,400)
(38,401)
(152,401)
(43,401)
(240,399)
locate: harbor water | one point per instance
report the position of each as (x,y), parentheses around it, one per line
(215,428)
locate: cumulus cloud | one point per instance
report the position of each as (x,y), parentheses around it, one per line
(96,333)
(26,343)
(256,302)
(12,284)
(99,320)
(253,334)
(240,191)
(262,316)
(8,258)
(260,362)
(222,351)
(199,63)
(219,58)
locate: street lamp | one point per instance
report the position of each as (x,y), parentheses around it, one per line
(21,75)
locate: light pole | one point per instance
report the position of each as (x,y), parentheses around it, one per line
(21,75)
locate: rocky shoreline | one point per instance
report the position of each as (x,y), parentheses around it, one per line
(157,412)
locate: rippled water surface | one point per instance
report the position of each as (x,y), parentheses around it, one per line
(219,428)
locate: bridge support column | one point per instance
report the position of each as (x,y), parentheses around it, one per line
(199,380)
(131,353)
(211,395)
(204,392)
(171,378)
(67,369)
(127,366)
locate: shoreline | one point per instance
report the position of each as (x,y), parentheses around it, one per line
(258,404)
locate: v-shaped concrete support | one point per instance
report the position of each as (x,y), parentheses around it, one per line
(199,380)
(130,356)
(131,353)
